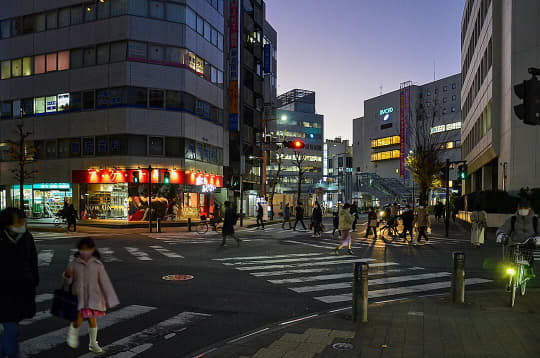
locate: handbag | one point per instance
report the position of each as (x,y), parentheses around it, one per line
(310,226)
(322,227)
(65,305)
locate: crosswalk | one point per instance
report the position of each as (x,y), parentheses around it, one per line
(50,236)
(328,278)
(131,345)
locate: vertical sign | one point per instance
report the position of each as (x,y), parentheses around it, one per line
(233,65)
(402,132)
(405,138)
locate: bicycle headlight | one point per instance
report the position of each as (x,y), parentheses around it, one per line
(510,271)
(381,213)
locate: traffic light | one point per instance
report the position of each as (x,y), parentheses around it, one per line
(166,177)
(235,183)
(529,92)
(135,176)
(462,171)
(295,144)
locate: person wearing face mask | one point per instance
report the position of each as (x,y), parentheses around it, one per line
(90,283)
(19,278)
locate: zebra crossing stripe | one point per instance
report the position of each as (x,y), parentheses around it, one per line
(44,297)
(39,316)
(379,281)
(45,342)
(308,264)
(136,343)
(45,257)
(265,257)
(308,244)
(166,252)
(311,270)
(285,260)
(139,255)
(108,255)
(399,290)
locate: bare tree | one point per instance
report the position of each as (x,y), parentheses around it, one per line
(299,160)
(24,154)
(276,178)
(425,162)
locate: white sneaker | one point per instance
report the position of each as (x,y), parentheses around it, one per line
(95,348)
(73,337)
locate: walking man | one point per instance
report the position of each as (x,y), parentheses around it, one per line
(408,220)
(372,223)
(286,216)
(316,220)
(71,217)
(260,212)
(228,224)
(354,212)
(299,210)
(438,211)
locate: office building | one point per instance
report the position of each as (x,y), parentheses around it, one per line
(337,171)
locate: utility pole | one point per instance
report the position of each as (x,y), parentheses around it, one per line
(241,201)
(150,198)
(447,211)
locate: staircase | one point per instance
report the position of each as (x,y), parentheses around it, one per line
(387,190)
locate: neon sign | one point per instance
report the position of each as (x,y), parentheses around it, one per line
(386,113)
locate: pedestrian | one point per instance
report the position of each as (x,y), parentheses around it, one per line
(228,224)
(345,225)
(19,278)
(408,219)
(260,212)
(335,223)
(478,226)
(316,220)
(286,216)
(89,282)
(455,211)
(299,211)
(354,212)
(438,211)
(71,217)
(422,222)
(372,223)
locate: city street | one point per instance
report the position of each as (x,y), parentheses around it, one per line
(275,275)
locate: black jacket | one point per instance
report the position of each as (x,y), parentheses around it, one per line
(228,221)
(260,212)
(408,218)
(317,214)
(299,211)
(19,278)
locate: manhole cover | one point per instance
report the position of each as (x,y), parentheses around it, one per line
(342,346)
(177,277)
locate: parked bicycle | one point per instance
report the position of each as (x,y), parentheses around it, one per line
(204,225)
(519,258)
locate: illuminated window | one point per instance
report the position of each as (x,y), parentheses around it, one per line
(6,69)
(51,62)
(449,145)
(391,154)
(39,105)
(381,142)
(16,68)
(63,60)
(27,66)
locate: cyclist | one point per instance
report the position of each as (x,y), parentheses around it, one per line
(519,227)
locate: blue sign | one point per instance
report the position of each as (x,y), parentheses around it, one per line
(233,122)
(268,58)
(386,113)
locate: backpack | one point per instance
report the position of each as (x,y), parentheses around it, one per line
(513,224)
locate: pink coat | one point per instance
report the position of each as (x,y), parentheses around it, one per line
(91,284)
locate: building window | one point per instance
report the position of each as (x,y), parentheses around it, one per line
(156,146)
(103,54)
(39,105)
(119,7)
(453,86)
(137,51)
(445,100)
(89,56)
(207,31)
(156,99)
(64,17)
(453,109)
(155,54)
(191,18)
(88,100)
(89,12)
(138,7)
(176,13)
(214,37)
(52,20)
(429,92)
(88,146)
(174,56)
(6,70)
(103,9)
(50,104)
(157,9)
(76,15)
(16,68)
(118,51)
(445,88)
(63,60)
(220,41)
(137,97)
(40,23)
(173,100)
(200,25)
(63,102)
(453,97)
(76,58)
(51,62)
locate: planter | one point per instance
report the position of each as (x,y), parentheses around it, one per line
(494,220)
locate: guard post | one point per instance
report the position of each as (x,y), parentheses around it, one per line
(189,224)
(458,277)
(360,288)
(158,225)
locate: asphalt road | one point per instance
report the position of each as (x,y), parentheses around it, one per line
(275,275)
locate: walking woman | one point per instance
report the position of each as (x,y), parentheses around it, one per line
(422,222)
(19,278)
(90,283)
(316,220)
(345,225)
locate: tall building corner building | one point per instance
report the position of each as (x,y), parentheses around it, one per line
(108,88)
(499,42)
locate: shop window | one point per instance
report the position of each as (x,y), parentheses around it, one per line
(173,100)
(200,25)
(76,58)
(89,12)
(39,105)
(118,51)
(89,56)
(156,99)
(39,22)
(137,51)
(174,56)
(51,62)
(157,9)
(27,66)
(52,20)
(88,100)
(214,37)
(137,97)
(191,19)
(101,145)
(63,148)
(88,146)
(64,17)
(63,60)
(6,69)
(174,147)
(176,13)
(155,54)
(138,7)
(76,15)
(119,7)
(103,54)
(27,106)
(63,102)
(75,147)
(5,110)
(207,31)
(103,9)
(75,101)
(137,145)
(50,104)
(155,146)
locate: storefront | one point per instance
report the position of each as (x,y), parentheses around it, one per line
(3,197)
(41,200)
(123,194)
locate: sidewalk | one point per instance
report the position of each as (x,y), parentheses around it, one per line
(485,326)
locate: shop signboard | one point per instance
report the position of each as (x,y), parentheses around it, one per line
(234,25)
(112,176)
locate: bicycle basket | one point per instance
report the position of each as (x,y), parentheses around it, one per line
(514,253)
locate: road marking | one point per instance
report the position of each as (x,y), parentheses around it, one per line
(333,276)
(248,335)
(308,264)
(45,342)
(379,281)
(240,263)
(166,252)
(139,255)
(399,290)
(298,319)
(40,316)
(308,244)
(266,257)
(44,297)
(45,257)
(136,343)
(108,255)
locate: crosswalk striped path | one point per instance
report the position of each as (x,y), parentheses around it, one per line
(49,236)
(328,278)
(131,345)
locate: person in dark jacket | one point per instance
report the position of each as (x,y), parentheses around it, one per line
(260,213)
(286,216)
(408,220)
(71,217)
(354,213)
(372,223)
(228,224)
(299,211)
(316,220)
(19,278)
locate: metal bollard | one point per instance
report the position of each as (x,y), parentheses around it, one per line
(158,225)
(458,277)
(360,286)
(189,224)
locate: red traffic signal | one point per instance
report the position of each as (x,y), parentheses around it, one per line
(295,144)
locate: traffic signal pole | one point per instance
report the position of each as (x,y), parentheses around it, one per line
(150,198)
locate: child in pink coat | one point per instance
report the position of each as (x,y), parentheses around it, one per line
(90,283)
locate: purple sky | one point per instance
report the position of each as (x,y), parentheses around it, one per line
(345,50)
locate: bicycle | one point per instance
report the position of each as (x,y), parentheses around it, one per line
(519,257)
(59,220)
(203,226)
(391,229)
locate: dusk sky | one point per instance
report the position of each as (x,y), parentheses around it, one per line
(345,50)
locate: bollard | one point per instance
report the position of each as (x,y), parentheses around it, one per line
(158,225)
(458,277)
(189,224)
(360,286)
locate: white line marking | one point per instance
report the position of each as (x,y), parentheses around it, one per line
(340,309)
(244,263)
(399,290)
(318,269)
(139,255)
(38,317)
(45,342)
(166,252)
(44,297)
(247,335)
(266,257)
(308,244)
(108,255)
(332,276)
(308,264)
(298,320)
(45,257)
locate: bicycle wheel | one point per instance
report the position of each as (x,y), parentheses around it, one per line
(523,286)
(57,221)
(202,228)
(384,231)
